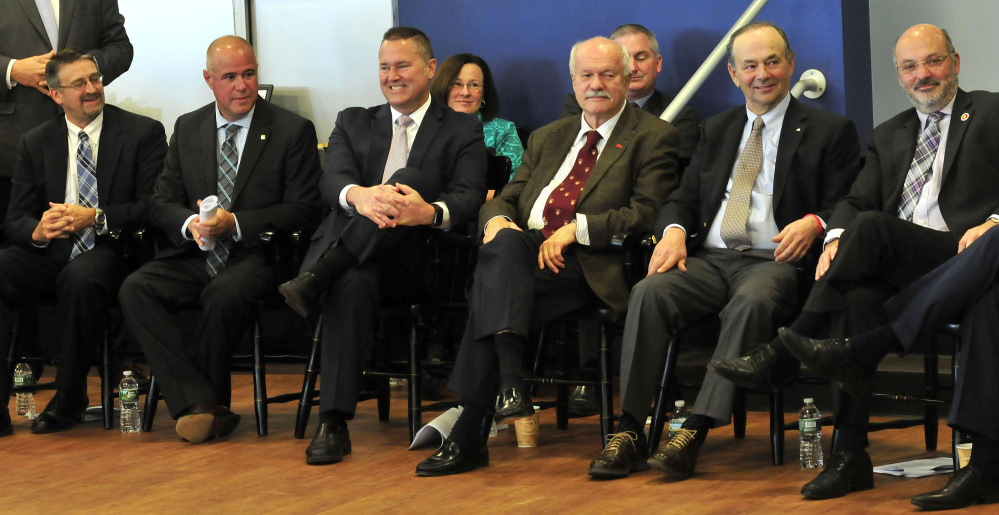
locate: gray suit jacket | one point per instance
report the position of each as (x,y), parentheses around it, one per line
(94,26)
(635,172)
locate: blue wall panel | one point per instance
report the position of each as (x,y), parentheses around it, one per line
(526,43)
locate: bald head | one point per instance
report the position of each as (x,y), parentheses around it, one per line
(232,76)
(927,67)
(231,45)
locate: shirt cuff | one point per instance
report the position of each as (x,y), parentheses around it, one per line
(239,233)
(37,246)
(833,234)
(582,230)
(349,209)
(491,221)
(10,82)
(673,225)
(445,217)
(993,219)
(183,228)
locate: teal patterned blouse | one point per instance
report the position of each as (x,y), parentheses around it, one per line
(501,136)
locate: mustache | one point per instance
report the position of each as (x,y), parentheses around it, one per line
(925,82)
(87,98)
(597,93)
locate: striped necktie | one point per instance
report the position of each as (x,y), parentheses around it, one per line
(86,176)
(399,151)
(227,163)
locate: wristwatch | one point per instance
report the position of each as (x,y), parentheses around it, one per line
(100,220)
(438,215)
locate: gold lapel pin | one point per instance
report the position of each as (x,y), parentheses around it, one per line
(263,137)
(797,129)
(965,116)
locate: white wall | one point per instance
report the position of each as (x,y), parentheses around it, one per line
(321,55)
(971,24)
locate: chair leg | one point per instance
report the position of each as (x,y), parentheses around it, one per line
(662,399)
(606,388)
(930,379)
(309,383)
(415,405)
(539,356)
(152,398)
(107,387)
(777,426)
(259,381)
(739,414)
(562,398)
(955,436)
(384,388)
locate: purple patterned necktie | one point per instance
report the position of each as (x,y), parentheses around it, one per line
(921,168)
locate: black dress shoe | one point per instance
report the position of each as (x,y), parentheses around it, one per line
(329,446)
(302,294)
(61,413)
(845,472)
(6,428)
(450,459)
(966,487)
(584,402)
(678,456)
(513,403)
(761,369)
(829,358)
(626,452)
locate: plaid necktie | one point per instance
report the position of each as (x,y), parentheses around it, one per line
(561,206)
(399,151)
(86,176)
(921,168)
(734,231)
(228,162)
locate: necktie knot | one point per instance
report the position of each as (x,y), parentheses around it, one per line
(231,130)
(758,124)
(84,138)
(592,137)
(403,122)
(933,121)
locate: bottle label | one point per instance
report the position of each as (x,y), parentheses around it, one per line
(808,425)
(676,423)
(24,380)
(128,395)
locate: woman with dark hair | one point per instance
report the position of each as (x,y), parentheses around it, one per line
(465,84)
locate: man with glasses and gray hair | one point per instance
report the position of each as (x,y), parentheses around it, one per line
(78,178)
(929,188)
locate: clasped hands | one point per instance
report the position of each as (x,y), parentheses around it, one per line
(61,220)
(391,205)
(30,71)
(550,252)
(223,224)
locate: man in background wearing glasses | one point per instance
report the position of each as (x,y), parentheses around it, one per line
(78,179)
(929,189)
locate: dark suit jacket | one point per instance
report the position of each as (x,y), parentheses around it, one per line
(275,179)
(817,159)
(970,189)
(685,122)
(449,148)
(129,159)
(94,26)
(634,173)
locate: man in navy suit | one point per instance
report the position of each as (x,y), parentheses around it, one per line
(78,178)
(260,161)
(390,172)
(710,261)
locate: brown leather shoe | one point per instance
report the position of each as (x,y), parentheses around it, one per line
(626,452)
(678,455)
(206,420)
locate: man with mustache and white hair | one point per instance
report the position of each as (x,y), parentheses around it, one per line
(929,188)
(754,200)
(547,237)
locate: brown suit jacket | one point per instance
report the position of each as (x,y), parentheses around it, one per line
(634,174)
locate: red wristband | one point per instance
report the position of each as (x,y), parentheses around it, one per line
(817,220)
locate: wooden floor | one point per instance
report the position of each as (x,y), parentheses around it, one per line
(92,470)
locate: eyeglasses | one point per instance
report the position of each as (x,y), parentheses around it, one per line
(931,64)
(472,86)
(79,84)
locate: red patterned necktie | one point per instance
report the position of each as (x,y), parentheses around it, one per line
(561,206)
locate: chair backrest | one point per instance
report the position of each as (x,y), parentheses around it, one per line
(498,173)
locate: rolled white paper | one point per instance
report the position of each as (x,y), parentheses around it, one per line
(209,206)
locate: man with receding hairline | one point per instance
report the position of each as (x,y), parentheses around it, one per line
(260,161)
(928,190)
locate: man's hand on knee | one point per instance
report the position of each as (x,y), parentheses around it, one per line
(669,252)
(496,225)
(550,253)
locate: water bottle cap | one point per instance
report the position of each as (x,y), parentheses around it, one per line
(809,400)
(679,404)
(127,373)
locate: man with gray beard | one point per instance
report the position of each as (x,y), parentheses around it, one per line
(929,189)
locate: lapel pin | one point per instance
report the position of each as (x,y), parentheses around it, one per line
(965,116)
(619,145)
(797,129)
(263,137)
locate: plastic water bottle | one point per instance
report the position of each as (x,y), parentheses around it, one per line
(128,402)
(678,416)
(810,436)
(25,400)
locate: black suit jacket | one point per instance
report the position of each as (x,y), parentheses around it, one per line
(128,160)
(970,189)
(449,151)
(94,26)
(817,159)
(686,120)
(635,171)
(275,179)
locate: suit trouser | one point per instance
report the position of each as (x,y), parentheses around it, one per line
(878,255)
(964,289)
(510,292)
(152,296)
(83,292)
(748,290)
